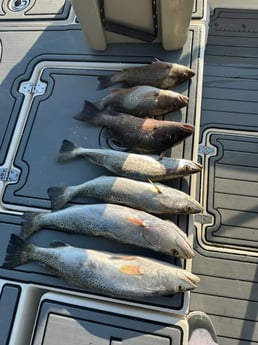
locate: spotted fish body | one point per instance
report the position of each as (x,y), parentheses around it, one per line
(143,101)
(131,165)
(158,74)
(115,222)
(137,134)
(157,199)
(105,273)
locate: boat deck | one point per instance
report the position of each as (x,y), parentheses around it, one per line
(227,238)
(47,70)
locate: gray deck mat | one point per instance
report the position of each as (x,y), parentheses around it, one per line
(57,51)
(227,240)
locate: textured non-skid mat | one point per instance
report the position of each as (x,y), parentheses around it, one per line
(69,324)
(32,10)
(41,92)
(227,234)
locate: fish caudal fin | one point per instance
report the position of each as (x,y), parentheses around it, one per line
(66,151)
(31,223)
(90,114)
(57,197)
(18,252)
(104,81)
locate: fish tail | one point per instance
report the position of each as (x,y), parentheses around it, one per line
(18,252)
(104,81)
(31,223)
(90,114)
(58,197)
(67,151)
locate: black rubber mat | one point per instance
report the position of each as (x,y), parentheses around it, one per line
(227,234)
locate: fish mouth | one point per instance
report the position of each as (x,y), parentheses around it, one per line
(183,100)
(191,73)
(198,166)
(187,127)
(190,278)
(185,249)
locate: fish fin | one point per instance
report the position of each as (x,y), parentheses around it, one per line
(90,113)
(156,188)
(162,155)
(122,257)
(133,270)
(66,151)
(58,244)
(56,195)
(137,221)
(104,81)
(30,224)
(163,64)
(17,252)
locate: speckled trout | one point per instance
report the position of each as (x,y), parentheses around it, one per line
(131,165)
(115,222)
(104,273)
(153,198)
(143,101)
(159,74)
(140,135)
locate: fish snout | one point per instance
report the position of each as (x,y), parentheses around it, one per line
(190,73)
(183,100)
(184,248)
(186,280)
(193,206)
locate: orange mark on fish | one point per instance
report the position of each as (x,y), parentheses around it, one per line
(133,270)
(137,221)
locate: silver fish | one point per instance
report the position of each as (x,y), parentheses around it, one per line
(149,197)
(131,165)
(105,273)
(159,74)
(143,101)
(140,135)
(115,222)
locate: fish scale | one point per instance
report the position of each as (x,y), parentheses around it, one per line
(135,166)
(107,273)
(115,222)
(155,198)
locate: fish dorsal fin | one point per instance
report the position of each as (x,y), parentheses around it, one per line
(163,64)
(57,244)
(155,187)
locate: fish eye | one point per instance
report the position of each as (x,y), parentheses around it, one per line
(184,75)
(180,288)
(189,209)
(175,252)
(186,168)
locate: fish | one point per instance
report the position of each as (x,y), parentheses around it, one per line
(143,101)
(114,275)
(159,74)
(157,198)
(131,165)
(137,134)
(115,222)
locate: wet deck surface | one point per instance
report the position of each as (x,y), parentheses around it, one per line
(226,246)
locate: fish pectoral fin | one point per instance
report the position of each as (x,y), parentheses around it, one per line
(57,244)
(148,236)
(137,221)
(133,270)
(155,187)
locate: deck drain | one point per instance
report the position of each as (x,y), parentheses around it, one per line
(18,5)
